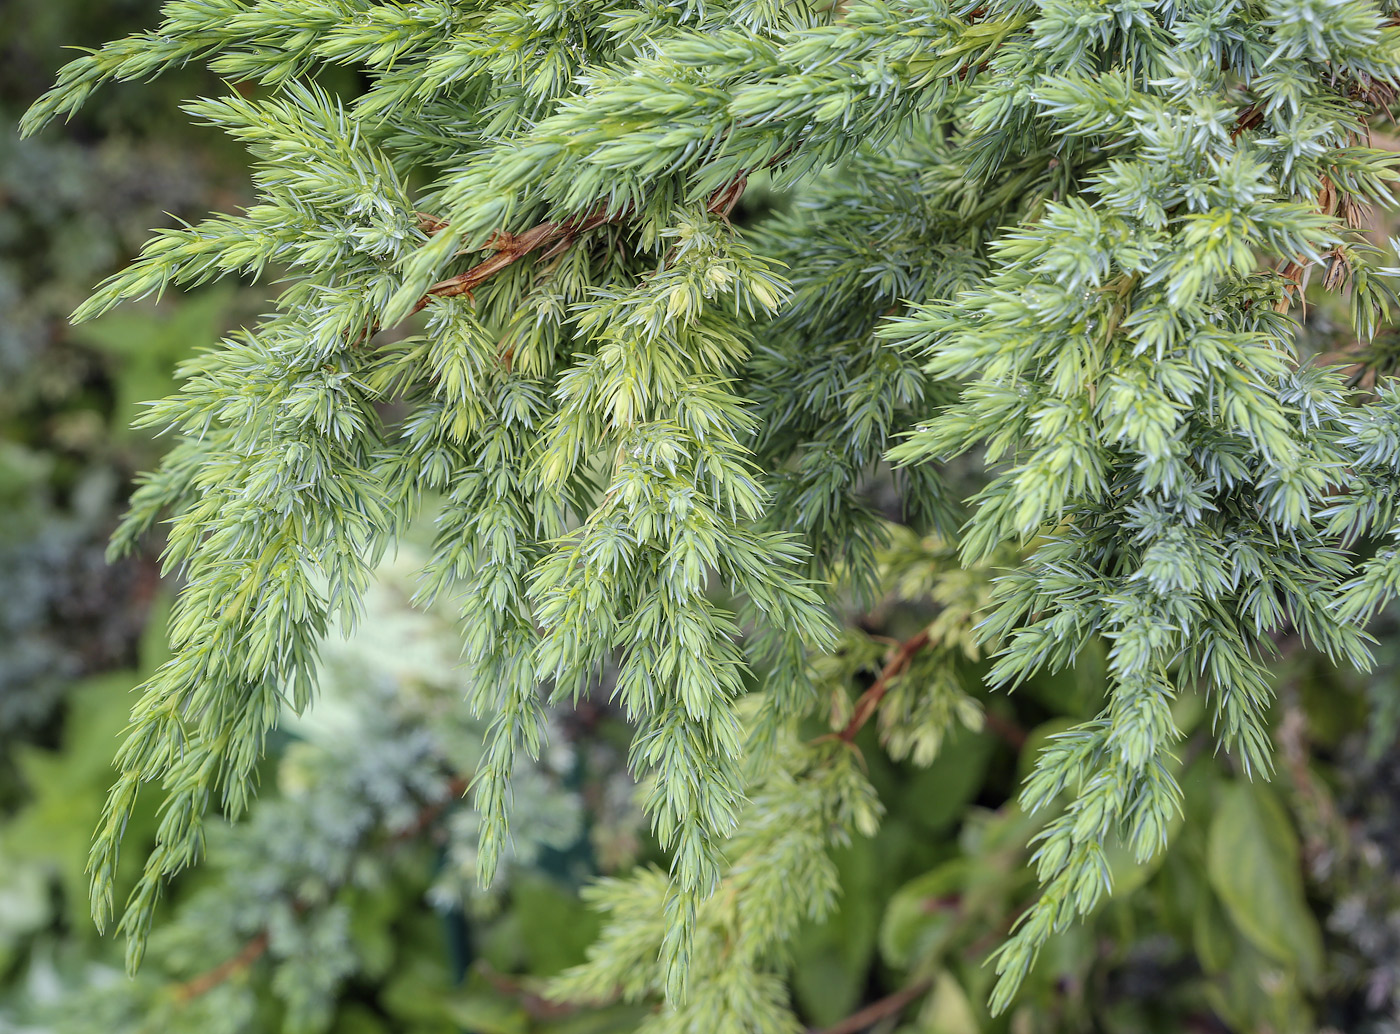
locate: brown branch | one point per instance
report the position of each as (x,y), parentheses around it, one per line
(429,223)
(873,1013)
(555,237)
(430,813)
(511,248)
(1297,271)
(1250,118)
(870,699)
(207,981)
(536,1006)
(1006,730)
(723,200)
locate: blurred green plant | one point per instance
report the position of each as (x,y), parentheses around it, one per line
(316,888)
(71,210)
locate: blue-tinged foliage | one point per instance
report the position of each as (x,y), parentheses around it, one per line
(1061,244)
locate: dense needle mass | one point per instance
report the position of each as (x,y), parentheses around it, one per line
(1067,237)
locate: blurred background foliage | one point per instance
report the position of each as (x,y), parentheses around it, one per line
(346,903)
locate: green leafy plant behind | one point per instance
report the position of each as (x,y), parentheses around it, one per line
(1064,239)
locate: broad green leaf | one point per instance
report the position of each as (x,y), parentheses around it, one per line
(1253,864)
(147,343)
(556,927)
(488,1013)
(948,1009)
(919,918)
(1212,936)
(372,917)
(418,992)
(1253,993)
(936,796)
(66,788)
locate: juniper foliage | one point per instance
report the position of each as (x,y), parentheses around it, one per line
(1068,238)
